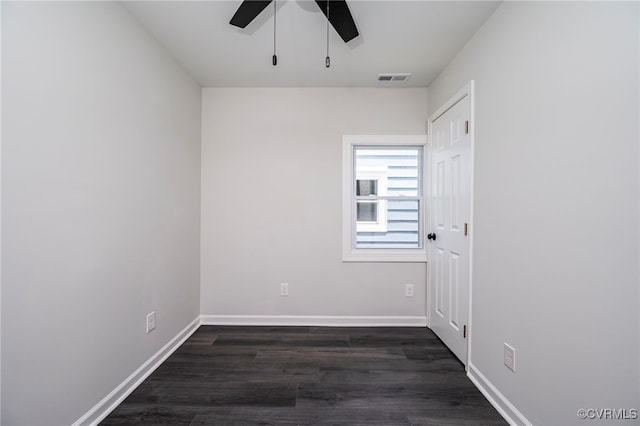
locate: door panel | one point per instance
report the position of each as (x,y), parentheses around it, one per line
(451,190)
(438,269)
(455,193)
(454,265)
(438,195)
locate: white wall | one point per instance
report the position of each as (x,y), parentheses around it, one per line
(556,204)
(100,205)
(271,202)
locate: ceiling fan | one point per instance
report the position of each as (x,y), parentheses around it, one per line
(339,15)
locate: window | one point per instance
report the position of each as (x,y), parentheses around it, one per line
(383,200)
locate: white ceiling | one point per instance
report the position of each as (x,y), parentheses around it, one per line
(417,37)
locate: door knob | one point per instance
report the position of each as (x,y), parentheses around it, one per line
(431,236)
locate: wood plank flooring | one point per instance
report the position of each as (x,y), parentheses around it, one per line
(308,376)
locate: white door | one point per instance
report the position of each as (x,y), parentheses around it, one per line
(448,235)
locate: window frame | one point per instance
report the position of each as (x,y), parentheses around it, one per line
(351,253)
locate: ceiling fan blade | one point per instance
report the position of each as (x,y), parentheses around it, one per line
(248,11)
(340,18)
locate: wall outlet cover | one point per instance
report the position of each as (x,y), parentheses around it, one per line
(284,289)
(408,290)
(151,321)
(510,357)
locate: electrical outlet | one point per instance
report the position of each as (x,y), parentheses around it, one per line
(151,321)
(510,357)
(408,290)
(284,289)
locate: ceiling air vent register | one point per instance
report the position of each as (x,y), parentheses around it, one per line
(394,78)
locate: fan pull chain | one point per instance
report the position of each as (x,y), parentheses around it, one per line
(274,59)
(327,61)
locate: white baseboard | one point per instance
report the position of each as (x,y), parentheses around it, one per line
(496,398)
(309,320)
(116,396)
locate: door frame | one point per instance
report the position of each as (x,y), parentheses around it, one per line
(466,90)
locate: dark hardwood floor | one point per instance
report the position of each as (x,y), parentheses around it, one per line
(308,376)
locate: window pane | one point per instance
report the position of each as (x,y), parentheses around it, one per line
(400,165)
(367,211)
(366,187)
(402,228)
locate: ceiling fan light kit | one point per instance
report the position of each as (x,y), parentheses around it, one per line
(340,18)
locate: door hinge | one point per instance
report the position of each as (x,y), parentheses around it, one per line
(464,331)
(466,229)
(466,127)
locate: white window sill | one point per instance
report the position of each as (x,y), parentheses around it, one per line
(372,255)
